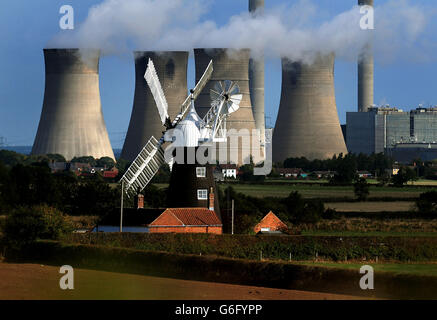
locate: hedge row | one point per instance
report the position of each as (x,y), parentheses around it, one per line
(272,247)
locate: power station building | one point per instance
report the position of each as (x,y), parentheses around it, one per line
(71,122)
(307,124)
(231,65)
(391,130)
(171,68)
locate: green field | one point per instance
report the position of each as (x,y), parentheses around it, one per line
(319,191)
(428,269)
(332,233)
(372,206)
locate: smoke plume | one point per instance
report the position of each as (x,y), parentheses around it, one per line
(297,31)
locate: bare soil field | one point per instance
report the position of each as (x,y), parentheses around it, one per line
(377,206)
(34,281)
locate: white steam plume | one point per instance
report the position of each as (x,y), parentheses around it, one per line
(295,31)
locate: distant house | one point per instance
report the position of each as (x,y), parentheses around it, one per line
(218,174)
(110,173)
(187,220)
(291,172)
(364,174)
(324,174)
(57,166)
(78,167)
(270,224)
(229,170)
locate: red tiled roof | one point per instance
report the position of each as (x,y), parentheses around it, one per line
(194,216)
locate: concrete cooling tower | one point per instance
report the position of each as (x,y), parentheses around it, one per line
(256,78)
(230,65)
(307,124)
(365,72)
(71,121)
(171,67)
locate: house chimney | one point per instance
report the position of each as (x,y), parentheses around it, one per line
(211,199)
(140,201)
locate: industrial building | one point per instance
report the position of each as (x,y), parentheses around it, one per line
(392,131)
(171,67)
(307,124)
(71,122)
(231,65)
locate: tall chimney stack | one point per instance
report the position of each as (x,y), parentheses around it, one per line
(365,71)
(256,79)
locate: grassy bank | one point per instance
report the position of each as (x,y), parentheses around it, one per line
(427,269)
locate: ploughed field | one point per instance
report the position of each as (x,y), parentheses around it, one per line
(34,281)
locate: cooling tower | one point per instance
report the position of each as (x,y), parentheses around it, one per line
(256,79)
(307,124)
(171,67)
(365,72)
(71,121)
(230,65)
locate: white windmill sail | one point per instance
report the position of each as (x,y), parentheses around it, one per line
(149,160)
(144,167)
(157,92)
(194,93)
(225,99)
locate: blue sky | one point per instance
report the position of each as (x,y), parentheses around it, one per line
(27,26)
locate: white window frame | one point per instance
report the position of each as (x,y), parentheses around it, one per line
(201,175)
(201,193)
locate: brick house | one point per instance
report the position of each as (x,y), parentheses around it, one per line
(270,223)
(187,220)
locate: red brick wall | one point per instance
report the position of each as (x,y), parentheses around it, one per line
(272,222)
(216,230)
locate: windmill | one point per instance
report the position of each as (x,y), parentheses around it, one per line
(225,99)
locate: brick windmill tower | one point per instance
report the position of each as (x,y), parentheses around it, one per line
(192,184)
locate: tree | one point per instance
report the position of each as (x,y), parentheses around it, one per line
(361,189)
(300,210)
(23,226)
(346,170)
(404,175)
(105,162)
(383,178)
(427,202)
(26,224)
(88,159)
